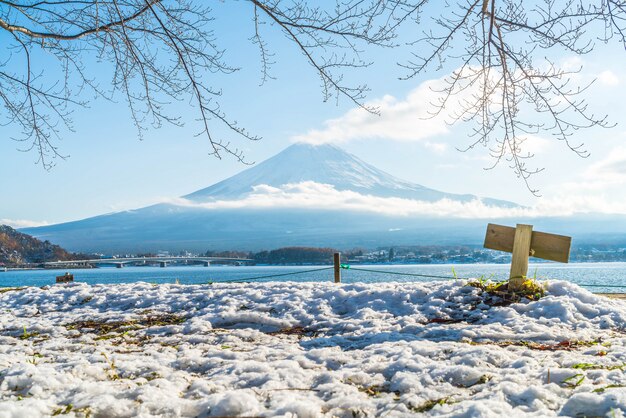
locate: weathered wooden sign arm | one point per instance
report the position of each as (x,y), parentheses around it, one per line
(522,242)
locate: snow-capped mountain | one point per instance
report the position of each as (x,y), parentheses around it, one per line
(324,164)
(306,196)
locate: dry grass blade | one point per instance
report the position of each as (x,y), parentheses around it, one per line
(297,330)
(107,327)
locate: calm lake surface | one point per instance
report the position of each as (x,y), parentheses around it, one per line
(607,276)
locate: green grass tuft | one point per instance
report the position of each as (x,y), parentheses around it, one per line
(591,366)
(574,381)
(430,404)
(530,289)
(63,410)
(601,390)
(26,335)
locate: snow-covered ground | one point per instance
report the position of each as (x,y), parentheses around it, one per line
(308,350)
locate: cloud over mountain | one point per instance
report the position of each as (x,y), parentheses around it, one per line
(405,120)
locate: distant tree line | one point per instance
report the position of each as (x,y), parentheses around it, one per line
(287,255)
(422,254)
(602,253)
(291,255)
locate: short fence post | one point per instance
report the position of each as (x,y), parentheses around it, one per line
(337,265)
(519,259)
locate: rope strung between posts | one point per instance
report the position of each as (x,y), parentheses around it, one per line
(601,285)
(271,276)
(348,267)
(396,273)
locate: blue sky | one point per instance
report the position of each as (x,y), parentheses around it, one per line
(109,169)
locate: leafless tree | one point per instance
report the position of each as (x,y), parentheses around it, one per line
(504,80)
(162,50)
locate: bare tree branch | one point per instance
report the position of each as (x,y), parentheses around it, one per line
(503,82)
(160,52)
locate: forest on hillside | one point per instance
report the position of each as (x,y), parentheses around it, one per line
(18,249)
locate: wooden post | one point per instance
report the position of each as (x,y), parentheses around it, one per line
(337,263)
(519,259)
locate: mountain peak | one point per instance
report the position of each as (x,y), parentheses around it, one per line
(308,145)
(318,151)
(300,162)
(324,164)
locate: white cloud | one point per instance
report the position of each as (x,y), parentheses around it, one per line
(599,188)
(534,144)
(572,63)
(408,120)
(602,175)
(608,78)
(612,168)
(436,147)
(311,195)
(22,223)
(399,120)
(582,74)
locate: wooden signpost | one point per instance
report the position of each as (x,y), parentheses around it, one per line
(522,242)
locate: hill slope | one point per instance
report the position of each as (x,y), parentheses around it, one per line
(17,249)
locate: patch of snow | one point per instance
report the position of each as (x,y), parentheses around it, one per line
(308,350)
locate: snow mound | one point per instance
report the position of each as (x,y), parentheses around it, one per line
(308,350)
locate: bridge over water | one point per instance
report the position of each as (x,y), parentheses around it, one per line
(142,261)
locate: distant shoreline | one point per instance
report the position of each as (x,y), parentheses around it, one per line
(537,261)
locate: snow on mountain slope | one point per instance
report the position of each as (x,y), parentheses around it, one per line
(324,164)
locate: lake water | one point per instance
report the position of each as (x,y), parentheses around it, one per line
(608,277)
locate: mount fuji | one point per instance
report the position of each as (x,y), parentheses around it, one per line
(330,165)
(304,196)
